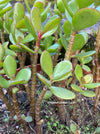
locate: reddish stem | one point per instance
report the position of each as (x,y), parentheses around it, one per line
(38,42)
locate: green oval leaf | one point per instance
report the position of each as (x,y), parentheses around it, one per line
(80,41)
(62,93)
(44,80)
(30,27)
(84,3)
(47,95)
(53,48)
(28,38)
(76,88)
(39,5)
(10,52)
(46,63)
(67,27)
(3,11)
(88,93)
(60,6)
(78,72)
(21,24)
(86,68)
(23,74)
(19,12)
(85,54)
(26,48)
(3,82)
(80,20)
(10,66)
(62,69)
(49,33)
(51,25)
(36,18)
(91,85)
(4,1)
(16,48)
(15,82)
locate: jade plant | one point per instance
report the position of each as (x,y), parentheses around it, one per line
(40,32)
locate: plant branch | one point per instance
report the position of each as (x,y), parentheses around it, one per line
(37,112)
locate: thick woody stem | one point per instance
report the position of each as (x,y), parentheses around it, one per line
(37,111)
(27,90)
(5,100)
(2,37)
(17,112)
(57,55)
(75,105)
(97,69)
(34,71)
(70,46)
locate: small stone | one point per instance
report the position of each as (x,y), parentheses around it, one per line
(17,127)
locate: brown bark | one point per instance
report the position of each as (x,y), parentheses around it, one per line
(37,111)
(97,69)
(5,100)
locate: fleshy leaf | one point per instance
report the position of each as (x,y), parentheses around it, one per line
(26,48)
(4,1)
(2,12)
(15,82)
(80,20)
(16,48)
(21,24)
(86,68)
(23,74)
(67,27)
(62,69)
(88,93)
(36,18)
(91,85)
(60,6)
(47,95)
(73,6)
(64,42)
(51,25)
(39,5)
(76,88)
(3,82)
(84,3)
(49,33)
(19,12)
(10,66)
(44,13)
(78,72)
(53,48)
(10,52)
(87,60)
(85,54)
(46,63)
(30,27)
(62,93)
(44,80)
(80,41)
(28,38)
